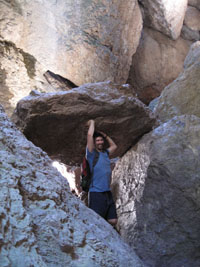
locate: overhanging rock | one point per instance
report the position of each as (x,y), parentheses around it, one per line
(56,122)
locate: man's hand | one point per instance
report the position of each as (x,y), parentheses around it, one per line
(88,123)
(104,135)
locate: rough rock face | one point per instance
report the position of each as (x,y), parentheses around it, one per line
(165,16)
(182,96)
(83,40)
(42,223)
(195,3)
(157,62)
(191,27)
(156,185)
(57,122)
(19,74)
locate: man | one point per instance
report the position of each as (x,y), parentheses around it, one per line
(100,196)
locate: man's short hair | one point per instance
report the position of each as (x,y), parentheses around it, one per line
(97,134)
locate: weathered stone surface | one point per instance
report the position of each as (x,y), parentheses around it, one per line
(83,40)
(42,223)
(165,16)
(157,189)
(183,95)
(19,74)
(195,3)
(157,62)
(58,82)
(191,28)
(56,122)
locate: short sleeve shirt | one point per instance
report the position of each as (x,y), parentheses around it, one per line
(101,173)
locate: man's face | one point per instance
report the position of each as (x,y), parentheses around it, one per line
(99,142)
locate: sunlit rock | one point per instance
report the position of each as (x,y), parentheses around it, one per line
(183,95)
(83,41)
(191,27)
(165,16)
(157,190)
(19,74)
(57,122)
(42,223)
(157,62)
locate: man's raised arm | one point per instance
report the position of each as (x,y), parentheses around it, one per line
(90,140)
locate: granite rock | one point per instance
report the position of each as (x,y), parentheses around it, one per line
(157,189)
(42,223)
(182,96)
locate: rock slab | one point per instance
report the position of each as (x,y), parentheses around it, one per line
(57,122)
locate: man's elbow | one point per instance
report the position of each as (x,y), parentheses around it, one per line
(114,148)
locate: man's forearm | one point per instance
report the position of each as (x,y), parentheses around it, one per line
(91,127)
(111,143)
(90,141)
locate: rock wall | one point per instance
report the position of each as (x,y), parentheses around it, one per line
(83,40)
(42,223)
(94,41)
(156,185)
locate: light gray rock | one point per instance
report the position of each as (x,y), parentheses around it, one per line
(183,95)
(83,40)
(157,190)
(42,223)
(165,16)
(57,122)
(19,74)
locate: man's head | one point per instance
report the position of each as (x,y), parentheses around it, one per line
(99,141)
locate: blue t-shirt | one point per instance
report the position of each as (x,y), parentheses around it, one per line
(101,173)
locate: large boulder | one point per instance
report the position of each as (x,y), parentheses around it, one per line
(191,27)
(157,62)
(83,41)
(42,223)
(157,190)
(19,74)
(57,122)
(183,95)
(165,16)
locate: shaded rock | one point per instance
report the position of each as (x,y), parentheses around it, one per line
(56,122)
(58,82)
(42,223)
(183,95)
(191,27)
(156,186)
(19,74)
(157,62)
(165,16)
(83,41)
(195,3)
